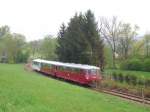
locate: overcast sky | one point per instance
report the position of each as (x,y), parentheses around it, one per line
(37,18)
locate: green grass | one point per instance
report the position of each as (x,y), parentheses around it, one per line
(139,74)
(22,91)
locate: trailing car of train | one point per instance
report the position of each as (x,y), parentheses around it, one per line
(82,74)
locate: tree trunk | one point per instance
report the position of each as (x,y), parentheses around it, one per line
(114,61)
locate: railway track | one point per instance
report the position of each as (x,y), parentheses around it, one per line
(125,95)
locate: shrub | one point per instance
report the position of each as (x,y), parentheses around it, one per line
(146,65)
(124,65)
(127,78)
(147,82)
(133,64)
(141,82)
(136,64)
(114,76)
(133,79)
(120,77)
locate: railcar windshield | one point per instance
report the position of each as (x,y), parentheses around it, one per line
(35,63)
(93,72)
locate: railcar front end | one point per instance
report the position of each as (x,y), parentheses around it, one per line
(92,76)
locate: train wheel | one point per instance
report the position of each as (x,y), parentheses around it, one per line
(95,84)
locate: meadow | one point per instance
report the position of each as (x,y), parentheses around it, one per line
(26,91)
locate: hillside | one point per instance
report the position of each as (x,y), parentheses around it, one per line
(23,91)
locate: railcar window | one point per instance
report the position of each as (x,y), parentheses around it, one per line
(68,69)
(60,68)
(35,63)
(92,72)
(77,70)
(49,65)
(41,64)
(63,68)
(45,65)
(73,69)
(57,67)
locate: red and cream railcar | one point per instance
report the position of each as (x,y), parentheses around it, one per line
(83,74)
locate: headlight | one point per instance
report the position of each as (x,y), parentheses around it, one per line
(87,77)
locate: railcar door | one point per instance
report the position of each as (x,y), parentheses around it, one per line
(56,68)
(68,74)
(73,74)
(81,76)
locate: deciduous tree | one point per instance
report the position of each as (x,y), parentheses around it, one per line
(110,30)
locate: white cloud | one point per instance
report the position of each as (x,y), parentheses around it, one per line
(36,18)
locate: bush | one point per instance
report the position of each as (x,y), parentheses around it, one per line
(114,76)
(141,82)
(127,78)
(133,64)
(130,79)
(146,65)
(133,79)
(136,64)
(124,65)
(147,82)
(120,77)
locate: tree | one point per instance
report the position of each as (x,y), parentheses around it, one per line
(126,40)
(20,52)
(34,49)
(43,48)
(147,44)
(110,30)
(80,42)
(76,45)
(100,54)
(14,47)
(4,30)
(141,47)
(138,48)
(4,49)
(95,40)
(61,43)
(47,48)
(108,56)
(11,46)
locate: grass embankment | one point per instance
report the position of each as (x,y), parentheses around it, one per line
(23,91)
(133,82)
(139,74)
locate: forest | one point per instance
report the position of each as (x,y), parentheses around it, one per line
(108,43)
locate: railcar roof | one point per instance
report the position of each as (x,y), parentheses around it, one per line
(72,65)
